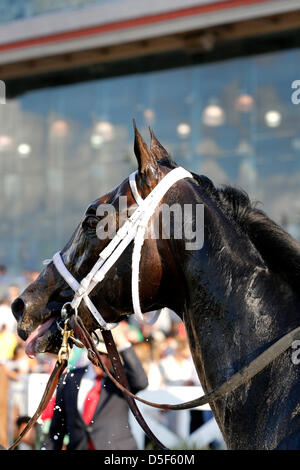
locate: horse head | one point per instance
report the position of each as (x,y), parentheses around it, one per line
(39,307)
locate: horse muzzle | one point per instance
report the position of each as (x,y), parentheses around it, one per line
(37,326)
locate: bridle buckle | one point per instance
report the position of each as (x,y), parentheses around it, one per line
(64,351)
(65,312)
(67,334)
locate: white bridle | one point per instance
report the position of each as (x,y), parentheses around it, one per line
(134,228)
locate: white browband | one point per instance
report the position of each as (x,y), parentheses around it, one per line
(134,228)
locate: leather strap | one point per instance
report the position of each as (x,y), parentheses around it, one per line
(49,390)
(239,378)
(119,372)
(132,182)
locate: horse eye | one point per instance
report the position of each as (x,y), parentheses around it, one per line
(90,223)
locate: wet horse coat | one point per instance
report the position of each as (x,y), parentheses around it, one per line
(237,295)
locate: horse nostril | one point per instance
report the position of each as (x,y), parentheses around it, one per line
(18,307)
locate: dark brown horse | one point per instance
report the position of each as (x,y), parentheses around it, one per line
(237,295)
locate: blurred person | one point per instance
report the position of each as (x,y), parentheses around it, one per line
(19,366)
(4,280)
(163,324)
(176,368)
(29,276)
(3,272)
(144,351)
(4,277)
(134,334)
(46,418)
(78,358)
(20,362)
(8,342)
(46,363)
(17,369)
(6,315)
(13,292)
(166,338)
(35,275)
(181,332)
(90,409)
(30,440)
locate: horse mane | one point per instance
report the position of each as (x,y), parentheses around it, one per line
(279,250)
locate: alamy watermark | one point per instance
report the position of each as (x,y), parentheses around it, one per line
(179,222)
(295,97)
(2,92)
(296,352)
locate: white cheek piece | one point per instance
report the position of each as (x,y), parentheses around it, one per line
(133,229)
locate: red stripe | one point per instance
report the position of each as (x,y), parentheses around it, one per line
(134,22)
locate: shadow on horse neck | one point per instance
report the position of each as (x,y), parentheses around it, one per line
(243,295)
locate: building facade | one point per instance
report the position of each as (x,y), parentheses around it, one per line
(217,80)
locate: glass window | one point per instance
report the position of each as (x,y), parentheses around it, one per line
(62,147)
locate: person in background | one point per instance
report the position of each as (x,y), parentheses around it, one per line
(30,440)
(4,280)
(6,315)
(17,369)
(13,292)
(89,407)
(146,352)
(3,273)
(20,362)
(8,342)
(29,276)
(176,368)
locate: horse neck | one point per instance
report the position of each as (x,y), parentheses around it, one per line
(234,304)
(234,307)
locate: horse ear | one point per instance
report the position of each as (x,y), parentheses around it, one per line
(160,153)
(156,147)
(146,160)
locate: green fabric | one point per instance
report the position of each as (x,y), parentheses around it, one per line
(74,357)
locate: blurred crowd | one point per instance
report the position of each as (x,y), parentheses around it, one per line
(162,348)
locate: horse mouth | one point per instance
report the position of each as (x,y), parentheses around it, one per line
(45,338)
